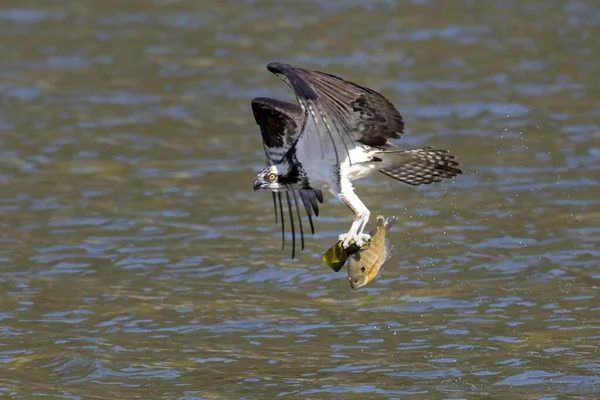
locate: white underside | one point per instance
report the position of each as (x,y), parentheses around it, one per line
(321,168)
(318,158)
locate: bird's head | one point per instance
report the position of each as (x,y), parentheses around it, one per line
(268,178)
(275,178)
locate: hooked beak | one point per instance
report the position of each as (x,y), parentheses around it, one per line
(257,185)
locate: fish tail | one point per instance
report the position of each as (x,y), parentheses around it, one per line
(388,223)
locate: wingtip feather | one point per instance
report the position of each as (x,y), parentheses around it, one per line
(277,67)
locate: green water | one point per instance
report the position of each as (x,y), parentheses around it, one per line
(136,262)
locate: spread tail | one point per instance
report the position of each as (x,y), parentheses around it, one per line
(386,223)
(419,166)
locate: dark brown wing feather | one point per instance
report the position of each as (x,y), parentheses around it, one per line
(280,124)
(361,113)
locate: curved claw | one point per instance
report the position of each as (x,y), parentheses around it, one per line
(359,240)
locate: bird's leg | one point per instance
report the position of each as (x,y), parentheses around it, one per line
(361,217)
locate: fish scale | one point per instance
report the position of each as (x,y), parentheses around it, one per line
(367,263)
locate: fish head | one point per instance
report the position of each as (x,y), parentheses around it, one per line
(358,281)
(358,274)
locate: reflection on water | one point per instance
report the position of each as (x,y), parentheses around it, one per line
(137,262)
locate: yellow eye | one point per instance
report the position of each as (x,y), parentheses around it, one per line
(272,177)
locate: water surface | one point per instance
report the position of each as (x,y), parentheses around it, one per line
(136,262)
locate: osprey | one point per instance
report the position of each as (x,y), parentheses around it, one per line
(337,134)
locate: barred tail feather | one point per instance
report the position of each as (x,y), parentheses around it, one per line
(420,166)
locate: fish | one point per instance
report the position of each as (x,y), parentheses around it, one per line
(337,255)
(366,263)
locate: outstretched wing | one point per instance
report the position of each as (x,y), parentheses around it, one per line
(340,112)
(280,125)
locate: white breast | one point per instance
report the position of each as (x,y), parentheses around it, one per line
(358,166)
(320,163)
(323,152)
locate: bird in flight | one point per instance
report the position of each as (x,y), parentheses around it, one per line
(338,133)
